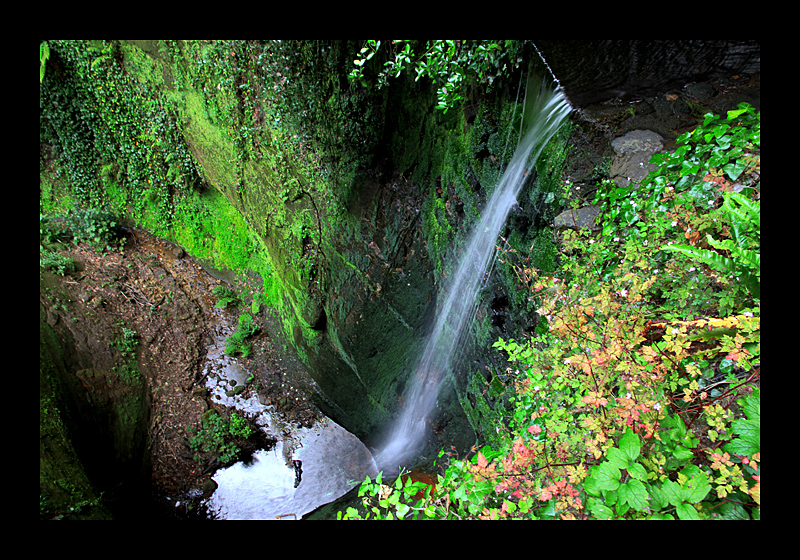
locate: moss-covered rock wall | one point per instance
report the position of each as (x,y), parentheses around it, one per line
(349,202)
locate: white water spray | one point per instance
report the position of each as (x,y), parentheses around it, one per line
(545,109)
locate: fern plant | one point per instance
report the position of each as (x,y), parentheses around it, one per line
(744,247)
(224,297)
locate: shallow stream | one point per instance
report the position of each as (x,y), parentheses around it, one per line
(308,467)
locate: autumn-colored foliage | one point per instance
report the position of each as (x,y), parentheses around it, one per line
(640,395)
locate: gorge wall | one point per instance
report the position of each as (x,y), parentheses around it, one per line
(349,202)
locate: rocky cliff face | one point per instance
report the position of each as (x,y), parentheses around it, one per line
(94,417)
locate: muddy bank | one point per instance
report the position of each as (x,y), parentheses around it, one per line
(124,346)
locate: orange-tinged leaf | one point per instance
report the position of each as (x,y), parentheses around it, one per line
(755,491)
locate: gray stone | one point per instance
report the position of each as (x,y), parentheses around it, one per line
(581,218)
(638,141)
(631,162)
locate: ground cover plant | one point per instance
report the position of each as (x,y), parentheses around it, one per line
(236,343)
(639,396)
(217,436)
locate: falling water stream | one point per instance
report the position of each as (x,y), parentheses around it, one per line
(332,459)
(545,109)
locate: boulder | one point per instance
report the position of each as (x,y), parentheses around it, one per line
(581,218)
(632,153)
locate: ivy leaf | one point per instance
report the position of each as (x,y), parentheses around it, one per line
(402,510)
(735,113)
(733,170)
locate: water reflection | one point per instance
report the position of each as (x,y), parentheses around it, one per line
(333,461)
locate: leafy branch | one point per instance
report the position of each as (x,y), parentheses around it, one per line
(448,63)
(624,406)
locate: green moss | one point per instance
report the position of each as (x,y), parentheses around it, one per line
(215,154)
(487,420)
(144,67)
(55,195)
(544,251)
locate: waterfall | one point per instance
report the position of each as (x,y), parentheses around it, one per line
(545,109)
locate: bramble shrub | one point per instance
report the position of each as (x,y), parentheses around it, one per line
(704,193)
(639,396)
(448,63)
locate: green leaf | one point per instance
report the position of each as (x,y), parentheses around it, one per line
(607,476)
(599,510)
(708,117)
(681,453)
(689,168)
(714,260)
(658,498)
(630,444)
(687,512)
(590,485)
(525,505)
(672,492)
(733,170)
(635,494)
(696,488)
(733,114)
(661,517)
(748,428)
(637,471)
(549,509)
(749,440)
(617,458)
(731,511)
(751,406)
(402,510)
